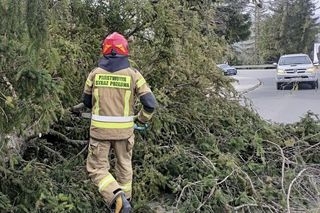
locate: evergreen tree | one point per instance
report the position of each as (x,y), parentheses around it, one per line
(234,22)
(291,28)
(204,151)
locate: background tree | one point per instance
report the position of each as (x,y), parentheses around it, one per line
(233,21)
(291,28)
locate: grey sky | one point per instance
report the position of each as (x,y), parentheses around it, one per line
(318,7)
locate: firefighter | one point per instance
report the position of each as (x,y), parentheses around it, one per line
(111,90)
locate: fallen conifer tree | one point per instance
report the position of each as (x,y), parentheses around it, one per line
(204,151)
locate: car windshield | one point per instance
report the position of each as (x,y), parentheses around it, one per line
(294,60)
(223,65)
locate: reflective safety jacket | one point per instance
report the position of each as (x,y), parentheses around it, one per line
(113,95)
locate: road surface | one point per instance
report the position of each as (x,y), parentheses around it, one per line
(281,106)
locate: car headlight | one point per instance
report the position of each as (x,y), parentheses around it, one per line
(280,71)
(311,69)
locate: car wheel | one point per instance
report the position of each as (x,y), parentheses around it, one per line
(279,86)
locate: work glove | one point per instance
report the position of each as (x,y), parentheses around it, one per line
(137,120)
(139,125)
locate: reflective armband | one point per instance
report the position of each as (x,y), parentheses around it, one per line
(140,82)
(89,83)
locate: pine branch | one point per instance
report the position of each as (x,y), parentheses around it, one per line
(59,136)
(14,94)
(66,139)
(54,152)
(78,107)
(290,187)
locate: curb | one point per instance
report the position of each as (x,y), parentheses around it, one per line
(252,88)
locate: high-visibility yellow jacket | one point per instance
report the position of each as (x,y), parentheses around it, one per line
(113,95)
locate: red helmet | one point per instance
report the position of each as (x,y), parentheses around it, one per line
(115,44)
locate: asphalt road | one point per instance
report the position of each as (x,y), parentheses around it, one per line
(281,106)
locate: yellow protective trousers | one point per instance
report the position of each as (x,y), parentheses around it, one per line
(98,167)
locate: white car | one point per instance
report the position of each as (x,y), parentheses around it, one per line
(296,68)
